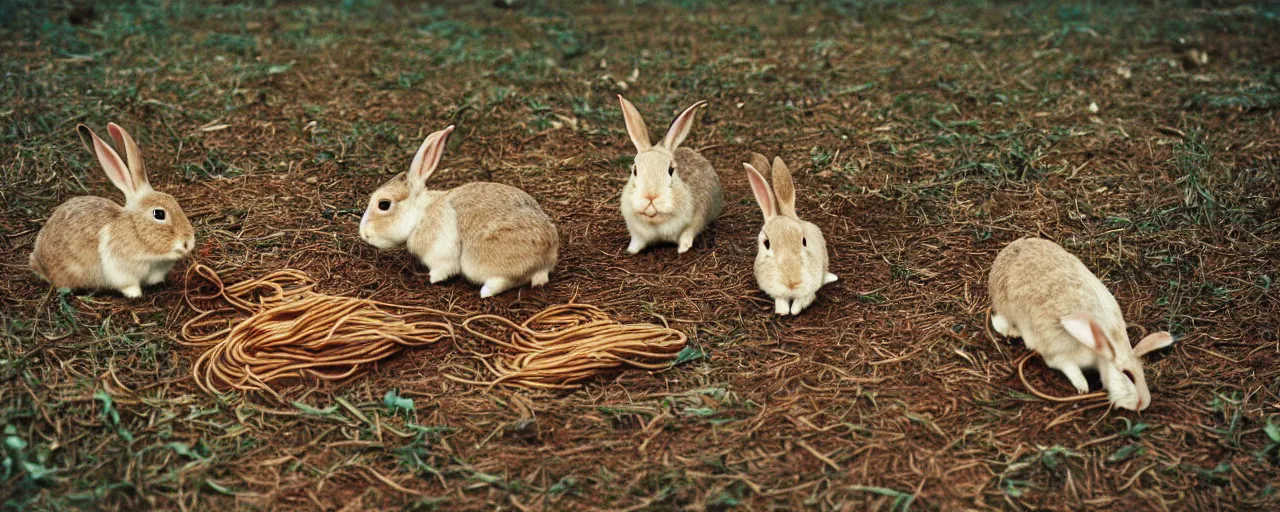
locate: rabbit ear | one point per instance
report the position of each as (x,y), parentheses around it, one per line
(760,162)
(764,194)
(428,157)
(83,133)
(1154,341)
(111,162)
(137,168)
(635,125)
(681,126)
(1084,329)
(784,188)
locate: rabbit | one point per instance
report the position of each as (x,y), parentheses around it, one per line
(791,260)
(92,243)
(495,235)
(1045,295)
(673,192)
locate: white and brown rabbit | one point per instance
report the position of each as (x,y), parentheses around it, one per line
(791,262)
(494,235)
(673,192)
(1045,295)
(93,243)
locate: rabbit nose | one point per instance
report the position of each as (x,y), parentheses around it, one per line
(793,284)
(651,197)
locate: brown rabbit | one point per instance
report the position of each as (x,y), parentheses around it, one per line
(1045,295)
(93,243)
(791,257)
(495,235)
(673,193)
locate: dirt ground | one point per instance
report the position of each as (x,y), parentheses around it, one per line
(924,137)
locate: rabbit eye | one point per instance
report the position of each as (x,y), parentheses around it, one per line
(634,172)
(158,214)
(384,205)
(1129,374)
(766,243)
(804,242)
(671,170)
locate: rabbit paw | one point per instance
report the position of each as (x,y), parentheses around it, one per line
(782,306)
(439,274)
(1077,379)
(494,286)
(686,242)
(798,305)
(635,246)
(1002,325)
(540,278)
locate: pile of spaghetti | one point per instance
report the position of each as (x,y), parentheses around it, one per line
(562,346)
(278,328)
(293,332)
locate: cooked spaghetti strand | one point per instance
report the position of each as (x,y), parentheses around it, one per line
(294,332)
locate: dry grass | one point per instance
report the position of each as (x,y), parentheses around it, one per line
(923,138)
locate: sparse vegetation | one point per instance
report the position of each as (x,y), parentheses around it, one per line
(1142,137)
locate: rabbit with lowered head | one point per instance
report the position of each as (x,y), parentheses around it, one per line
(1045,295)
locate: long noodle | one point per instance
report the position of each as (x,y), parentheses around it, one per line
(1045,396)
